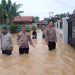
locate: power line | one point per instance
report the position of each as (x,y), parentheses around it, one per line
(64,4)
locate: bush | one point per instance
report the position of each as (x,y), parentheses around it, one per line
(12,28)
(28,29)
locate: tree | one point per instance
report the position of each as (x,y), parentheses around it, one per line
(36,19)
(8,11)
(13,10)
(1,17)
(46,19)
(3,3)
(3,8)
(9,5)
(62,15)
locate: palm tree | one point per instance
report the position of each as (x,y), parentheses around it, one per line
(8,11)
(12,10)
(3,11)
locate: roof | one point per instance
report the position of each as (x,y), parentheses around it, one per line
(23,19)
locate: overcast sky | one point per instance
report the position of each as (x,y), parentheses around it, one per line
(42,8)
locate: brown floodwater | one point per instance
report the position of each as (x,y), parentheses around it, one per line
(39,61)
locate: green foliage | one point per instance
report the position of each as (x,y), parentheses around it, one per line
(46,19)
(3,3)
(13,28)
(62,15)
(36,19)
(28,29)
(8,10)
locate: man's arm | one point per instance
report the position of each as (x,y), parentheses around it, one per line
(18,37)
(30,40)
(11,43)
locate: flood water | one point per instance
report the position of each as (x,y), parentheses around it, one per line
(39,61)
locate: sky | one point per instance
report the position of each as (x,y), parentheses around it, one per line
(42,8)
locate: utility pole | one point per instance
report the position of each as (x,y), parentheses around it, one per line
(50,14)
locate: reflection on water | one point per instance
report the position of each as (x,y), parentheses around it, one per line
(39,61)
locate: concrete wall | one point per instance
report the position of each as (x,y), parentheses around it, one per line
(62,33)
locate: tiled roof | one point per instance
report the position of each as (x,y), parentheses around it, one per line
(23,18)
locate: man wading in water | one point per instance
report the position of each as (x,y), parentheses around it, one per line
(23,40)
(50,36)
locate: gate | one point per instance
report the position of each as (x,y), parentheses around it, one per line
(71,31)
